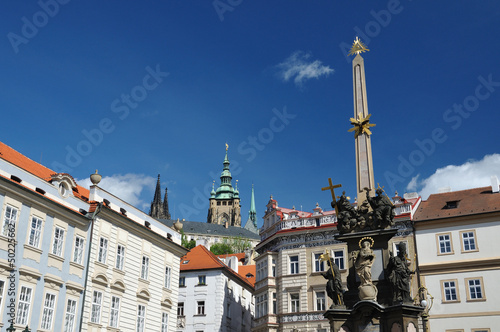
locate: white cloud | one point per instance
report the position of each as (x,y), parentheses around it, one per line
(128,187)
(299,67)
(472,174)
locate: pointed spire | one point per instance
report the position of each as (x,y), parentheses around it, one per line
(166,212)
(156,205)
(225,189)
(251,224)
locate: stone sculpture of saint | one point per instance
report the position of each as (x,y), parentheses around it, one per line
(334,283)
(399,275)
(383,209)
(364,262)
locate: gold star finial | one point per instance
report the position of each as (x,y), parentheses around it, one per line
(357,47)
(227,146)
(361,125)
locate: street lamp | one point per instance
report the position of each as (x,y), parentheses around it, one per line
(426,301)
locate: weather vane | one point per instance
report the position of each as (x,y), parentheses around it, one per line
(227,146)
(357,47)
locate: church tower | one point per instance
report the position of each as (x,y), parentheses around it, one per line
(225,201)
(251,224)
(159,208)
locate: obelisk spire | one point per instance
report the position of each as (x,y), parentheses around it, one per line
(364,163)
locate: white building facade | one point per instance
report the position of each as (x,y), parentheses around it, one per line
(212,296)
(457,244)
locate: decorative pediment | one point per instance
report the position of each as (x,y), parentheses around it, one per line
(52,281)
(29,274)
(118,285)
(166,303)
(73,288)
(100,279)
(144,294)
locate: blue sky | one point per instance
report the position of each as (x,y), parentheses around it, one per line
(140,88)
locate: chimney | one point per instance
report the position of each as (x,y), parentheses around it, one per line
(226,225)
(494,184)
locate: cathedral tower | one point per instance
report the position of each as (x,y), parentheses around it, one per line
(159,208)
(225,201)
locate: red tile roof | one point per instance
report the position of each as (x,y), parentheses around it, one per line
(240,256)
(200,258)
(244,270)
(470,201)
(12,156)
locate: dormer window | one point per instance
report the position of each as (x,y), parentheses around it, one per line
(451,205)
(64,182)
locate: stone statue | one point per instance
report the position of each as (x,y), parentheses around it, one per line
(363,262)
(399,275)
(348,216)
(383,209)
(334,283)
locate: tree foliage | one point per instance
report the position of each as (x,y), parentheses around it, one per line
(221,249)
(185,243)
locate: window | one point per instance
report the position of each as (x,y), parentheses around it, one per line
(9,219)
(164,322)
(36,228)
(449,288)
(294,264)
(320,301)
(2,286)
(294,302)
(338,258)
(275,304)
(69,321)
(182,281)
(57,246)
(468,241)
(103,250)
(444,241)
(180,309)
(261,303)
(228,309)
(95,316)
(319,265)
(79,247)
(200,307)
(475,289)
(114,312)
(273,267)
(23,307)
(145,267)
(202,280)
(141,317)
(120,257)
(48,311)
(168,274)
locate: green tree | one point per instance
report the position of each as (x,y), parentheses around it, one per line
(238,244)
(185,243)
(221,249)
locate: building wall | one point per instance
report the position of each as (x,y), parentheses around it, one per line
(459,266)
(36,267)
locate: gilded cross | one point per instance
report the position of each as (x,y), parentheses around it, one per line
(331,188)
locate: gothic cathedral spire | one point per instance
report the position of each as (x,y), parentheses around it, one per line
(159,208)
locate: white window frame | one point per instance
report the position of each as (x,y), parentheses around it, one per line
(468,241)
(164,322)
(294,302)
(2,287)
(141,317)
(24,305)
(273,267)
(145,267)
(95,313)
(168,276)
(200,308)
(58,241)
(472,290)
(114,311)
(294,264)
(182,281)
(103,250)
(120,256)
(202,280)
(319,265)
(275,303)
(35,232)
(79,249)
(444,244)
(70,315)
(180,309)
(9,219)
(49,304)
(450,291)
(320,300)
(339,260)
